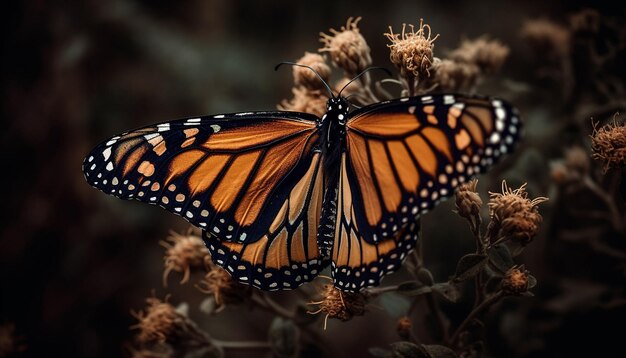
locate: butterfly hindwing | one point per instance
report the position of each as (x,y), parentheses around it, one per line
(287,255)
(227,174)
(405,155)
(356,263)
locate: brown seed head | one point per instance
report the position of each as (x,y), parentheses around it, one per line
(183,252)
(347,48)
(412,51)
(486,53)
(515,281)
(307,101)
(608,144)
(160,322)
(468,202)
(341,305)
(304,77)
(452,76)
(514,214)
(221,285)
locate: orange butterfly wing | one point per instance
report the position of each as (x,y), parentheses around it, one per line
(404,156)
(227,174)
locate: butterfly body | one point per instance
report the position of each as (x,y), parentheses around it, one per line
(282,195)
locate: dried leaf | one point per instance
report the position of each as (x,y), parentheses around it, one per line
(469,266)
(500,259)
(447,290)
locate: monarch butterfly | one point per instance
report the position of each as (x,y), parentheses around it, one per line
(281,195)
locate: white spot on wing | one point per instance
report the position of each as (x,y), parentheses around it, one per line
(106,153)
(219,116)
(151,136)
(109,166)
(215,128)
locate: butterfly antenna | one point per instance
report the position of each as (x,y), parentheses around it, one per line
(361,74)
(330,91)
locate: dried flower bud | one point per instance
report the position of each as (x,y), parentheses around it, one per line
(305,77)
(347,48)
(487,54)
(183,253)
(609,145)
(404,327)
(547,38)
(159,323)
(514,215)
(412,52)
(220,284)
(341,305)
(452,76)
(307,101)
(468,202)
(515,281)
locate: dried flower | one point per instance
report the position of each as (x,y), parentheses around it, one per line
(468,202)
(404,327)
(159,322)
(547,37)
(347,48)
(412,52)
(515,281)
(452,76)
(304,77)
(307,101)
(514,215)
(609,145)
(220,284)
(338,304)
(487,54)
(187,251)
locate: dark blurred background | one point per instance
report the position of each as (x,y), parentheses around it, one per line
(74,262)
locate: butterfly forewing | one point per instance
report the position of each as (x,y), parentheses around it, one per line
(228,174)
(404,156)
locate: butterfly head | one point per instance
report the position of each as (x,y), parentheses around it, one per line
(338,107)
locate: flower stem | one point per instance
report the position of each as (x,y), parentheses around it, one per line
(477,310)
(241,344)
